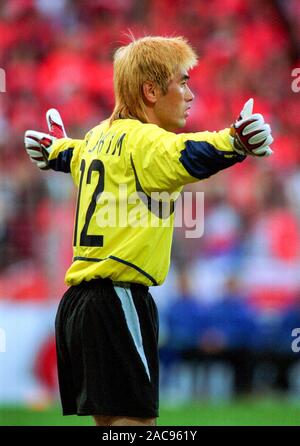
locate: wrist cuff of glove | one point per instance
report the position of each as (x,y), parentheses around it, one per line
(236,144)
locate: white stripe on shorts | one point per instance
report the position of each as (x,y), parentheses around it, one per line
(133,322)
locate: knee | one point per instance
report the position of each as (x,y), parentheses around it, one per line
(102,420)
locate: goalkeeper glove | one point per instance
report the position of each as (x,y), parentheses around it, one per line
(38,145)
(250,135)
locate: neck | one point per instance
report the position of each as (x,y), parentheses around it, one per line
(151,117)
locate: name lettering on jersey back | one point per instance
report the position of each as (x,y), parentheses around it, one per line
(109,143)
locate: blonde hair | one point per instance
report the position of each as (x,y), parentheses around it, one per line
(149,58)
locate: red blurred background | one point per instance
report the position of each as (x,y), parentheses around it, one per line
(59,54)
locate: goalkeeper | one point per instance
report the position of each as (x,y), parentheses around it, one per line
(107,324)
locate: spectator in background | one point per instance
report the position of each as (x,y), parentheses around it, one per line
(183,318)
(182,322)
(228,335)
(286,352)
(216,332)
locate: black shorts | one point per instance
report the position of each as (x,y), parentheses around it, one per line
(107,350)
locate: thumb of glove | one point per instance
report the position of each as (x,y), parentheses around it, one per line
(55,124)
(247,109)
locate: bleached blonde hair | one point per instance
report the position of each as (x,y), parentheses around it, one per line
(151,58)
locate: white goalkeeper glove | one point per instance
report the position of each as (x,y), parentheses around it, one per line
(38,145)
(250,135)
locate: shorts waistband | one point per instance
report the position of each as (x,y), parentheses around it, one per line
(99,281)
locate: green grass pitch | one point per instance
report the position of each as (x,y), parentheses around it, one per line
(242,412)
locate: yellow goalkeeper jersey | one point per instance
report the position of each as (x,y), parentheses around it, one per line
(128,176)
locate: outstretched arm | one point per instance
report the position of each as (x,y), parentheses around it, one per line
(166,161)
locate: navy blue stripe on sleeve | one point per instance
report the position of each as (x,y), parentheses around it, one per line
(202,159)
(63,162)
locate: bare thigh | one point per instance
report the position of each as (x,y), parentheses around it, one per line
(101,420)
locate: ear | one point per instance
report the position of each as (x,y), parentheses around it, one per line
(151,91)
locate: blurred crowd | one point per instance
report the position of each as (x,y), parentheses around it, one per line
(59,54)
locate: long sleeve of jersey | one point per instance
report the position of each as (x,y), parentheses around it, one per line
(164,160)
(65,154)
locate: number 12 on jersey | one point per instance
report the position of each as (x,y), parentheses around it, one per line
(84,238)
